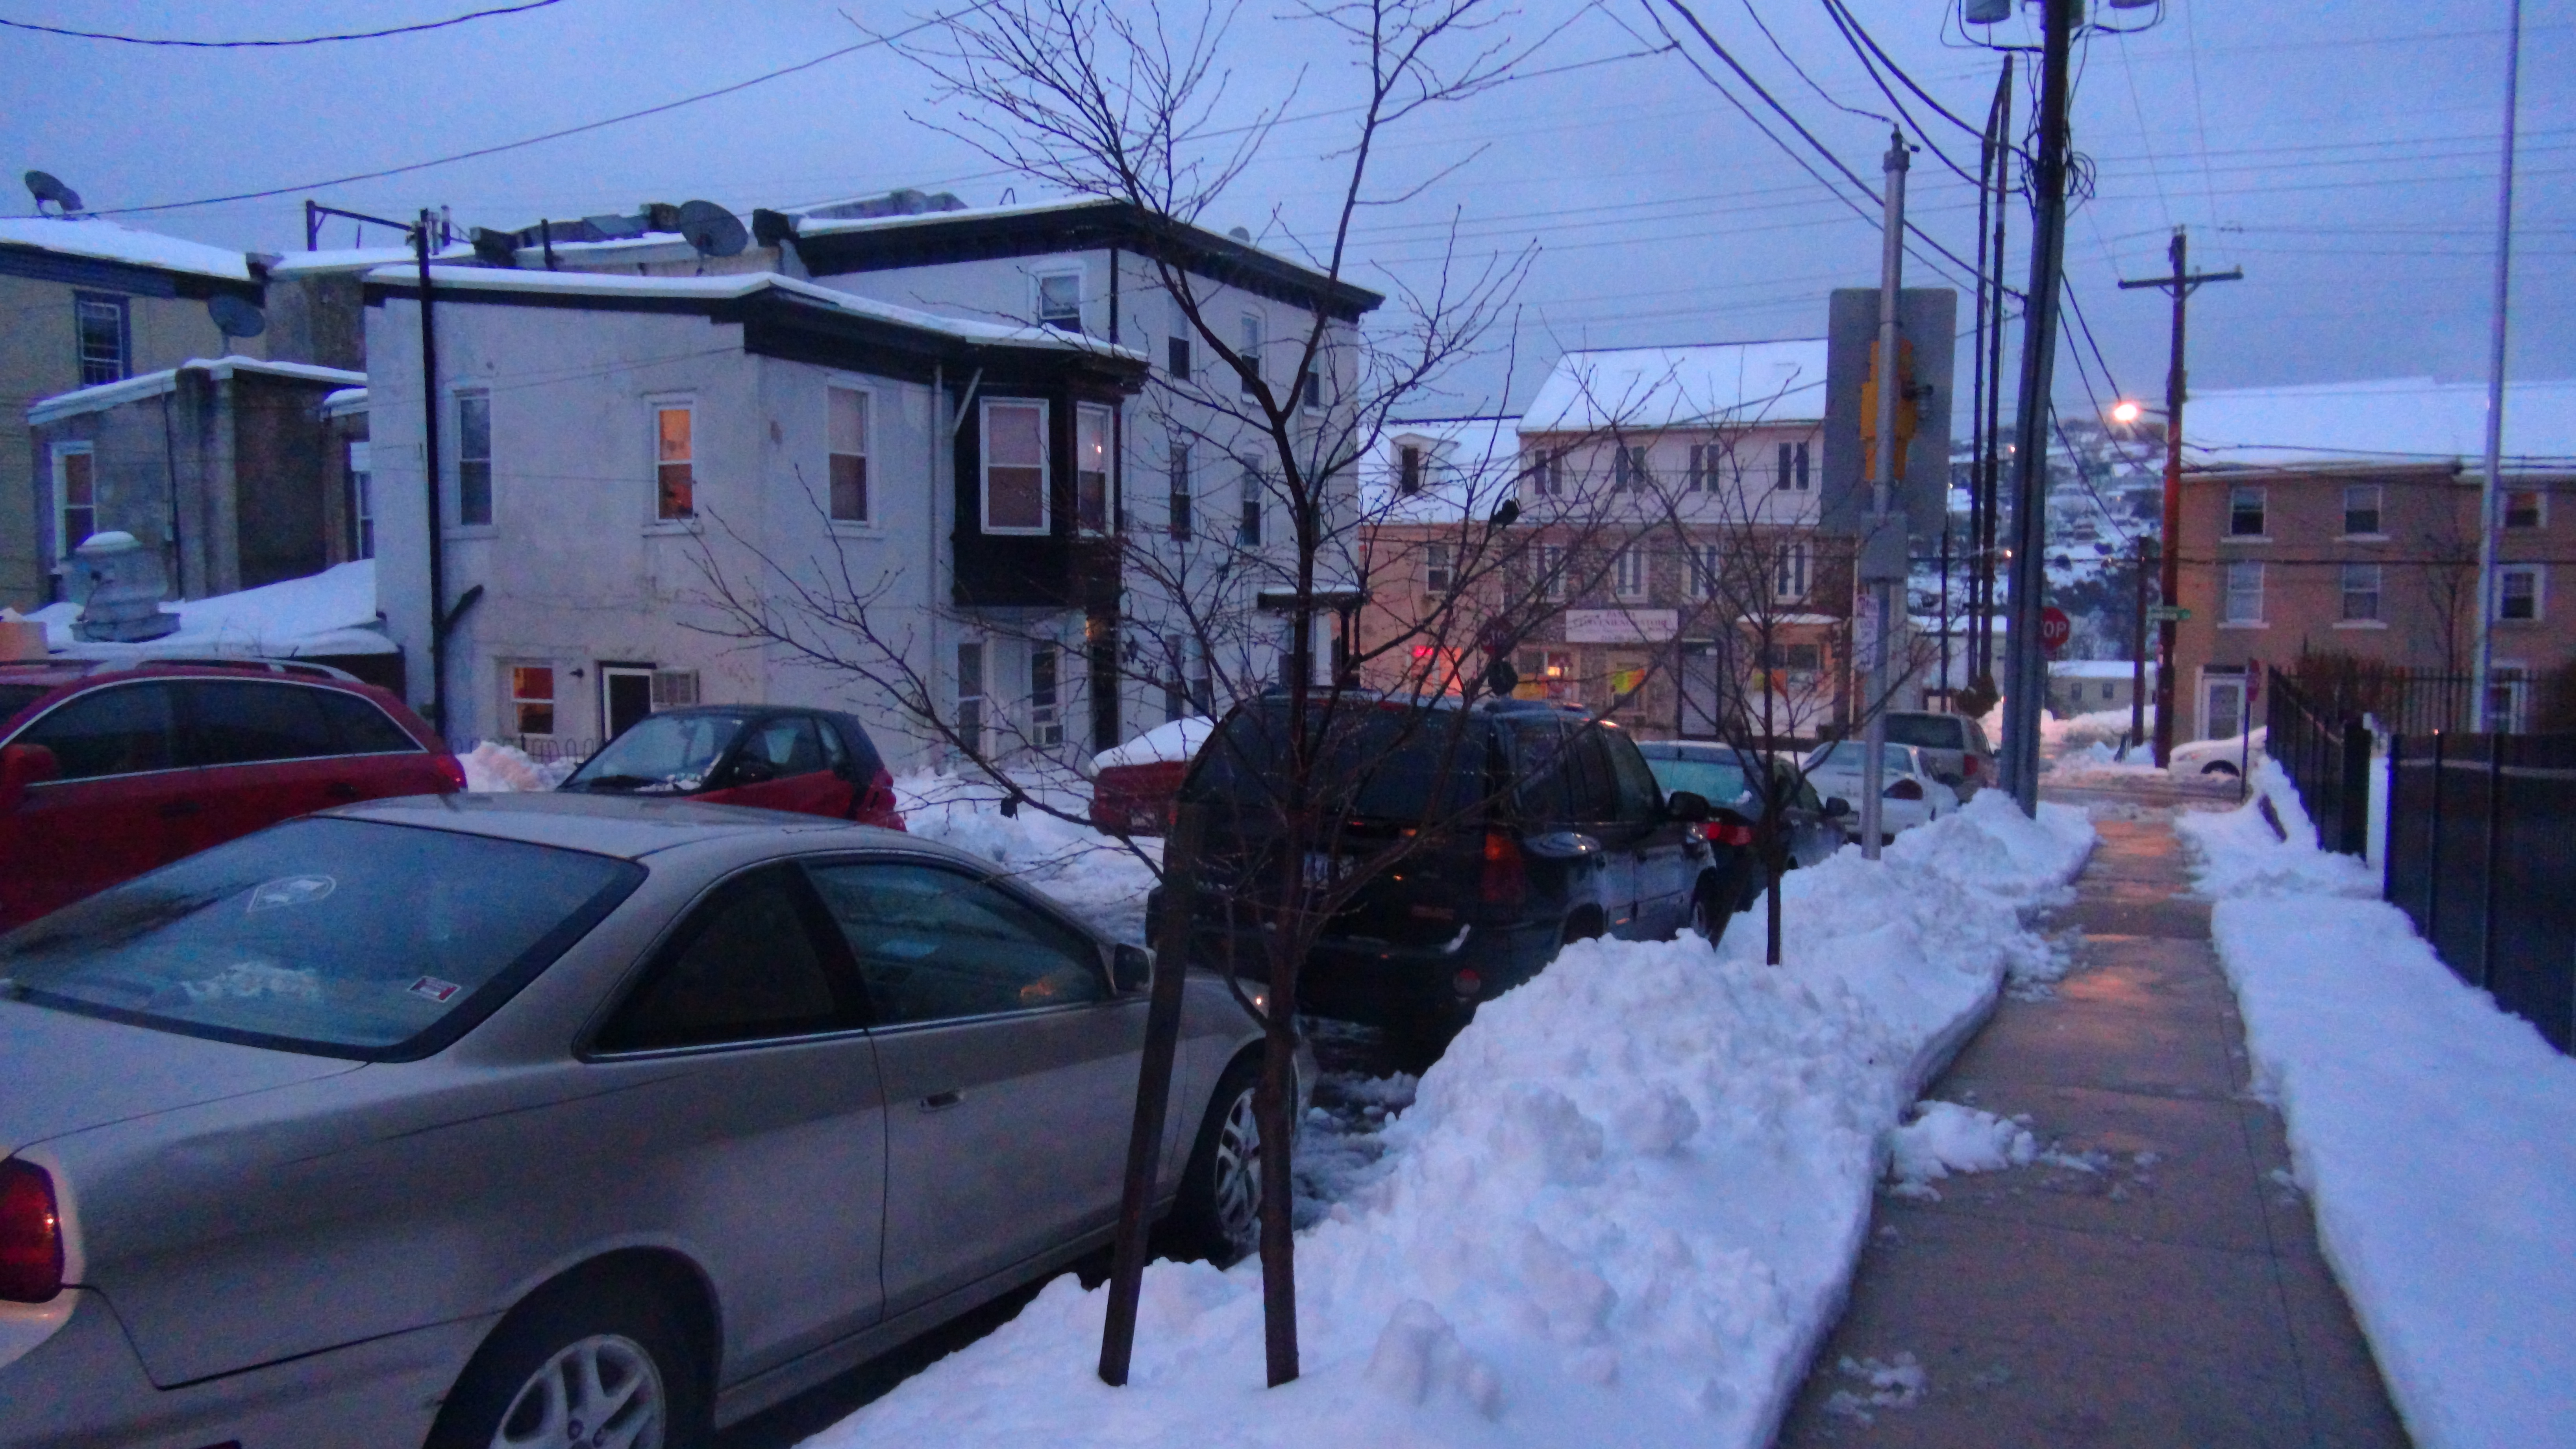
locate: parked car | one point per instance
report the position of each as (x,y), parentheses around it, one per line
(521,1119)
(1716,773)
(810,761)
(1909,795)
(1133,787)
(2215,757)
(1523,825)
(1952,744)
(110,770)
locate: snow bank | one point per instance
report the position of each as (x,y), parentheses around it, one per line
(2102,726)
(1174,741)
(495,768)
(1624,1207)
(1093,875)
(2430,1129)
(332,612)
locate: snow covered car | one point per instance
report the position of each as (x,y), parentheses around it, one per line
(1909,795)
(810,761)
(108,770)
(2214,757)
(557,1119)
(1134,785)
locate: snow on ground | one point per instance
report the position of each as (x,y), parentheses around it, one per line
(492,767)
(2430,1129)
(2102,726)
(1623,1208)
(1946,1137)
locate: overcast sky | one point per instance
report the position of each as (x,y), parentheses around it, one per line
(2344,154)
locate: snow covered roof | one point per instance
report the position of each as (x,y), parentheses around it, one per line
(810,223)
(88,236)
(736,285)
(152,384)
(1670,387)
(2095,669)
(1168,743)
(1469,466)
(358,259)
(2387,420)
(346,401)
(329,613)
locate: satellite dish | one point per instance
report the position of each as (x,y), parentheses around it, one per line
(714,231)
(48,187)
(235,316)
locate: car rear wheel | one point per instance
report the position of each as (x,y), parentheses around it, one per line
(606,1365)
(1709,914)
(2219,767)
(1220,1208)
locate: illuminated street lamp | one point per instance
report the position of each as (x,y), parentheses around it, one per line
(2126,411)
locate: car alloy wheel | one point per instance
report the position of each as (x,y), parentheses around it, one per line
(600,1392)
(1236,1171)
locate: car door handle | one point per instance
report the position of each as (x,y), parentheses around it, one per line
(942,1101)
(181,809)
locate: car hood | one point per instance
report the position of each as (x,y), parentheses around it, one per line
(61,1072)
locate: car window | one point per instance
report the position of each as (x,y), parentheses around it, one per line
(344,937)
(1640,798)
(1719,782)
(743,967)
(1388,763)
(835,755)
(239,722)
(358,727)
(1592,783)
(125,729)
(16,697)
(935,945)
(663,754)
(1931,731)
(788,744)
(1540,750)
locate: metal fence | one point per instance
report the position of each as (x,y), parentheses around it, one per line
(2327,755)
(2481,856)
(544,749)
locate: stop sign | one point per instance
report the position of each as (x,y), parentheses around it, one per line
(2054,628)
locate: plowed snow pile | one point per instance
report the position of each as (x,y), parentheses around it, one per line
(1622,1210)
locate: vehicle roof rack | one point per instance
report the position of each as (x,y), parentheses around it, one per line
(303,667)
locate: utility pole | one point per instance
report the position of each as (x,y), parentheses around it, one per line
(1992,423)
(2482,716)
(2182,283)
(2138,653)
(1883,552)
(429,463)
(2026,668)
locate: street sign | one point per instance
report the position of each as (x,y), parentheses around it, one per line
(2160,613)
(2055,628)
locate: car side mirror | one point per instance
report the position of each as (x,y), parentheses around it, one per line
(1836,807)
(1131,968)
(753,771)
(22,766)
(1687,806)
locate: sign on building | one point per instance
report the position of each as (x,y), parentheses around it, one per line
(1621,626)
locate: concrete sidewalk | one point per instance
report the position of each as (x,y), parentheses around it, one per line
(2159,1284)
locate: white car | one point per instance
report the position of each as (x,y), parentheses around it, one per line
(2214,757)
(1909,793)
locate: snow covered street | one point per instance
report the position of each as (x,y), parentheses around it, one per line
(1622,1208)
(2431,1130)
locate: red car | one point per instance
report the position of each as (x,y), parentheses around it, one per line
(108,770)
(810,761)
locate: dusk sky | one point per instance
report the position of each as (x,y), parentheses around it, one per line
(2344,155)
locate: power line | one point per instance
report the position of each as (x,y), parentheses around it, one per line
(274,44)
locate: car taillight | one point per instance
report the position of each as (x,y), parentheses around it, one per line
(1968,767)
(31,1234)
(880,807)
(1905,790)
(1506,877)
(451,774)
(1723,832)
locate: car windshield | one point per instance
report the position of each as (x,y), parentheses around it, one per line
(1930,731)
(343,937)
(1719,782)
(666,754)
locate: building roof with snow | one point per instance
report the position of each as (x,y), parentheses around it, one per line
(106,241)
(324,615)
(100,396)
(1465,468)
(2387,421)
(1715,384)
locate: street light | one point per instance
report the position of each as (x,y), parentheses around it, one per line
(2126,411)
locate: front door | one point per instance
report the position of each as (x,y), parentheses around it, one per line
(625,696)
(2222,706)
(1009,1071)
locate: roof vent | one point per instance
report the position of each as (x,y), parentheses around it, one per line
(119,581)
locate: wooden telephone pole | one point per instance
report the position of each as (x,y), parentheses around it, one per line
(2181,285)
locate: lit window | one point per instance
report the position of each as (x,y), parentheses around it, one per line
(2245,513)
(103,336)
(2522,508)
(1180,510)
(2518,593)
(1015,472)
(1092,430)
(75,498)
(362,502)
(532,699)
(473,459)
(675,466)
(1792,473)
(1060,301)
(1789,580)
(848,425)
(2244,593)
(2361,508)
(2360,592)
(1628,572)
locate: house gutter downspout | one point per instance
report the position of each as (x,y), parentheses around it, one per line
(439,619)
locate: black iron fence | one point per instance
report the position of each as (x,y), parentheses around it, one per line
(544,749)
(2326,753)
(2397,699)
(2481,855)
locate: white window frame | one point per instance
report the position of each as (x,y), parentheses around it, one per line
(362,497)
(1703,570)
(2212,677)
(2539,576)
(457,461)
(64,543)
(970,716)
(1252,519)
(1547,473)
(1437,575)
(1632,466)
(2378,509)
(1551,569)
(1793,573)
(1046,466)
(654,409)
(123,309)
(1791,469)
(2262,500)
(1038,297)
(1087,415)
(1252,333)
(1046,717)
(2232,591)
(1628,573)
(831,452)
(2375,592)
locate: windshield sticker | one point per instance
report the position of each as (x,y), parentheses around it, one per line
(435,989)
(245,979)
(291,890)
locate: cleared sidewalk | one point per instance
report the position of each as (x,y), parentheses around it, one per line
(2154,1280)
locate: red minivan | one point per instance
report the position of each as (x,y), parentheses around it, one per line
(810,761)
(108,770)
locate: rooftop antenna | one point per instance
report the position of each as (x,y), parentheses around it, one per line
(48,187)
(712,230)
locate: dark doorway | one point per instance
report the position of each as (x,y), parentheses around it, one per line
(626,695)
(1103,639)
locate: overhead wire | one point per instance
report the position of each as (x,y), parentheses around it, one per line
(152,40)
